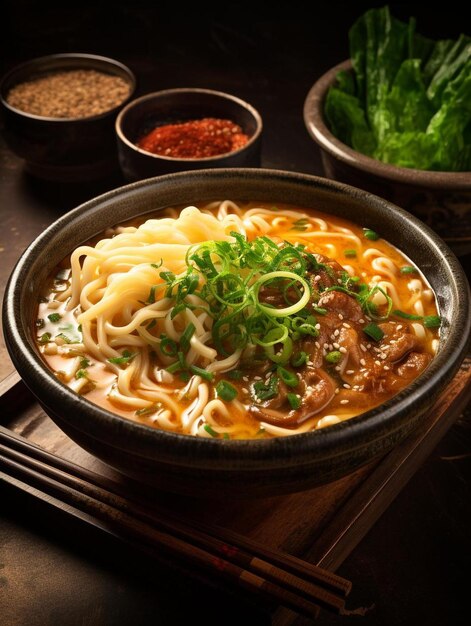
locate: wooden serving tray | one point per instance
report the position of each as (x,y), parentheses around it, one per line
(322,525)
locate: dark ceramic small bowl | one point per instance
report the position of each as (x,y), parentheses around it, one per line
(201,466)
(64,149)
(179,105)
(440,199)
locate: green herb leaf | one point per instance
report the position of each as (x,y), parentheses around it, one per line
(226,391)
(124,359)
(373,331)
(54,317)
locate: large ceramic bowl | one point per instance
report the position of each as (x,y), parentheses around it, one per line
(440,199)
(247,467)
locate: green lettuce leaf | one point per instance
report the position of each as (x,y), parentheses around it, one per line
(408,100)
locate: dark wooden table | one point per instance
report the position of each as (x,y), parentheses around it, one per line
(412,566)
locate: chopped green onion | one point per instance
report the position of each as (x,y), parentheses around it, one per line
(350,254)
(294,400)
(373,331)
(370,234)
(54,317)
(407,316)
(432,321)
(174,367)
(45,338)
(235,374)
(185,376)
(151,296)
(84,362)
(81,373)
(267,391)
(199,371)
(319,310)
(64,338)
(289,378)
(408,269)
(299,359)
(226,436)
(168,346)
(210,430)
(125,358)
(157,265)
(151,324)
(226,391)
(186,337)
(333,357)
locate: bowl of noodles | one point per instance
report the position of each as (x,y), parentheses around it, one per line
(237,332)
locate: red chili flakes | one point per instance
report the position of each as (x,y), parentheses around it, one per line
(194,139)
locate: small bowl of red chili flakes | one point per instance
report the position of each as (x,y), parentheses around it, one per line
(184,129)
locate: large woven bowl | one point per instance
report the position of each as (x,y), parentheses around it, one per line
(200,466)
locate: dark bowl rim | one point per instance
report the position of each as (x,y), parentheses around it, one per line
(182,91)
(85,56)
(318,130)
(290,450)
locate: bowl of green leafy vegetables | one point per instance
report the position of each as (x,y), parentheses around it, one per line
(395,119)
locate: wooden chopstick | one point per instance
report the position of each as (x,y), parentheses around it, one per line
(271,573)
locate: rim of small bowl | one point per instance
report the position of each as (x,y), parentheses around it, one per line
(319,131)
(194,452)
(182,91)
(108,61)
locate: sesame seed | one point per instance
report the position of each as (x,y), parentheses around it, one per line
(331,347)
(317,278)
(383,356)
(362,321)
(399,327)
(377,362)
(245,379)
(317,326)
(368,345)
(309,363)
(326,346)
(340,316)
(362,362)
(363,347)
(336,345)
(345,325)
(346,386)
(350,372)
(344,401)
(338,368)
(257,378)
(336,332)
(386,368)
(343,350)
(339,280)
(337,390)
(317,344)
(245,390)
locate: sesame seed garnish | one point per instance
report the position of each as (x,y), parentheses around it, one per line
(344,401)
(336,345)
(317,278)
(377,362)
(383,356)
(338,368)
(346,386)
(363,347)
(245,390)
(368,345)
(362,362)
(317,344)
(245,379)
(317,326)
(326,346)
(399,327)
(337,390)
(362,321)
(336,332)
(350,372)
(343,350)
(257,378)
(339,280)
(345,325)
(386,368)
(340,316)
(309,363)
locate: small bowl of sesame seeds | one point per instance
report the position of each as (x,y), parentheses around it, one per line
(59,112)
(186,129)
